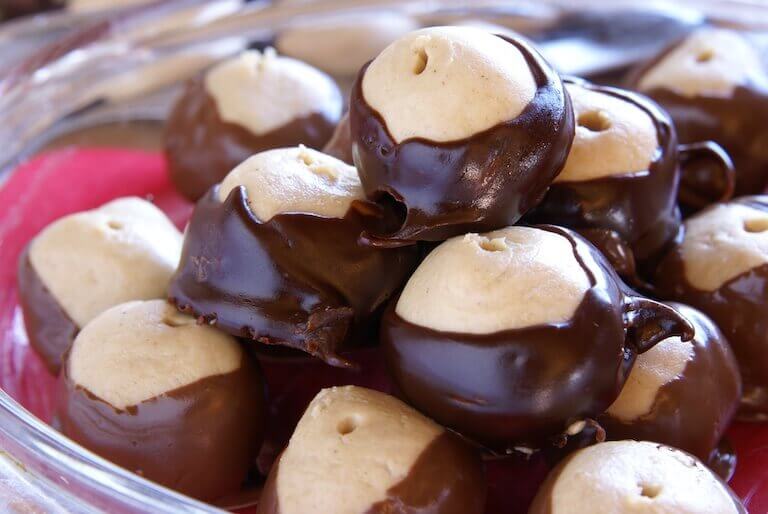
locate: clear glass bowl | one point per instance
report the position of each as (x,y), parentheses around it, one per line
(128,68)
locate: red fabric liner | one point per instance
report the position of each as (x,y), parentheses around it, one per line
(71,180)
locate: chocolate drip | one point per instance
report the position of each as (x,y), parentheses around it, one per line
(739,308)
(521,385)
(297,280)
(199,439)
(49,329)
(485,182)
(692,411)
(640,208)
(340,145)
(202,148)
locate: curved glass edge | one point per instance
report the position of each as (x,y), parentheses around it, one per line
(51,467)
(169,41)
(51,90)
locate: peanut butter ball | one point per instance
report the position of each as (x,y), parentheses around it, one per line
(509,337)
(287,265)
(154,392)
(680,393)
(244,105)
(714,85)
(84,263)
(359,451)
(634,476)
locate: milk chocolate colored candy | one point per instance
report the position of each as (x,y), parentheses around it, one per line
(715,87)
(634,476)
(683,394)
(247,104)
(510,336)
(84,263)
(720,266)
(620,182)
(274,255)
(151,390)
(455,129)
(358,451)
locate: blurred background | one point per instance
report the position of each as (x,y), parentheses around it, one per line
(90,62)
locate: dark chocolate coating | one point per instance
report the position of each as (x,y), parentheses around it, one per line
(49,329)
(340,145)
(542,503)
(739,308)
(736,123)
(640,208)
(297,280)
(525,385)
(447,478)
(201,148)
(693,411)
(199,439)
(485,182)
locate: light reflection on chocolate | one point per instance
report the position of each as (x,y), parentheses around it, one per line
(297,280)
(633,217)
(525,385)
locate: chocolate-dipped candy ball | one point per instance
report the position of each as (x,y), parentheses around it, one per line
(510,336)
(621,178)
(84,263)
(455,129)
(683,394)
(714,86)
(247,104)
(359,451)
(720,266)
(273,254)
(634,476)
(343,44)
(159,394)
